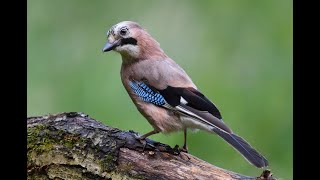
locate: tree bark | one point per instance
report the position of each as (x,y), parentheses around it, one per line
(75,146)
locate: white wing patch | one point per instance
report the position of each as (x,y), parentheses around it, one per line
(183,101)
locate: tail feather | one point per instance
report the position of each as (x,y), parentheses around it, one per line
(216,125)
(245,149)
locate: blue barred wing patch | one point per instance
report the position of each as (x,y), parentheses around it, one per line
(146,93)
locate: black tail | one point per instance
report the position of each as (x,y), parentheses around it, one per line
(244,148)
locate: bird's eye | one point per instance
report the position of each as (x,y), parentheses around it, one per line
(123,31)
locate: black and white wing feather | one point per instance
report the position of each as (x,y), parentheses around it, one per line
(193,104)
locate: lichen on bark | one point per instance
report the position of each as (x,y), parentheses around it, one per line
(50,150)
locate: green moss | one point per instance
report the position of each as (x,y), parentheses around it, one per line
(70,140)
(138,176)
(107,163)
(40,139)
(38,176)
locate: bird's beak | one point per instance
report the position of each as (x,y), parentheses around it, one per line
(110,46)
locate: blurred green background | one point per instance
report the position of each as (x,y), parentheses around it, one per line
(238,53)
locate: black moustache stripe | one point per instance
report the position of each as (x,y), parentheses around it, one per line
(131,41)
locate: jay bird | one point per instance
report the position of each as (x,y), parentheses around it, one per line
(163,92)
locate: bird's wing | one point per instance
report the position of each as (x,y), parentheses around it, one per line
(187,101)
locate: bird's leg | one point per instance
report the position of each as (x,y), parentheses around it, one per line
(148,134)
(185,147)
(143,137)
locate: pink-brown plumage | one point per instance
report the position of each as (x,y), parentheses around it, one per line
(163,92)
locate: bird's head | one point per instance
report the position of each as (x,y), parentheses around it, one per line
(132,42)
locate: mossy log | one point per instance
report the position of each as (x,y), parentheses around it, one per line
(75,146)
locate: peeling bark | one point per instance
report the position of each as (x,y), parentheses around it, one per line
(74,146)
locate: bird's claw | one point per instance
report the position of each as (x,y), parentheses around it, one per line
(145,142)
(183,150)
(179,150)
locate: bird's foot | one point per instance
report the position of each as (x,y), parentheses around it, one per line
(184,149)
(148,144)
(145,142)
